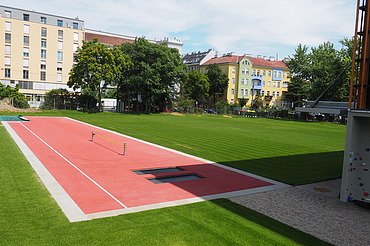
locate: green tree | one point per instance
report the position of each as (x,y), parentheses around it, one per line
(218,81)
(196,87)
(19,100)
(95,66)
(299,86)
(151,78)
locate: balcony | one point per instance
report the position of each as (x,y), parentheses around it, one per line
(257,82)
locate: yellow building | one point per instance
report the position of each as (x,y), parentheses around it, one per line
(229,64)
(37,50)
(274,76)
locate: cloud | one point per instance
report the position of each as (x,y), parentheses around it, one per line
(244,26)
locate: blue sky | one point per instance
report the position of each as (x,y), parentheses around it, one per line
(257,27)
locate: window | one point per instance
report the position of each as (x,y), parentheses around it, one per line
(60,45)
(60,56)
(254,71)
(277,93)
(274,84)
(43,54)
(26,52)
(242,92)
(26,17)
(242,81)
(59,66)
(247,71)
(60,33)
(25,85)
(243,71)
(7,61)
(75,36)
(270,73)
(26,62)
(275,73)
(246,92)
(278,84)
(273,93)
(233,69)
(8,26)
(43,43)
(43,65)
(26,40)
(7,73)
(258,72)
(233,80)
(60,23)
(59,77)
(43,20)
(8,38)
(8,14)
(8,49)
(262,93)
(75,25)
(44,32)
(25,74)
(43,75)
(26,29)
(246,81)
(264,72)
(232,91)
(75,47)
(269,84)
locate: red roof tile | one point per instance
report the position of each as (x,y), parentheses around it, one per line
(222,60)
(110,40)
(266,63)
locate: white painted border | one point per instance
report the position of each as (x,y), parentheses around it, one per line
(65,202)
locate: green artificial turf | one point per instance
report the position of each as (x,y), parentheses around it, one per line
(29,216)
(288,151)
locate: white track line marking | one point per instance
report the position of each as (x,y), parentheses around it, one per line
(73,165)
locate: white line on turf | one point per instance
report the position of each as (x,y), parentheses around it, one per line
(73,165)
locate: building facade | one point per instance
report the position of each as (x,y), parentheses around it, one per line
(194,60)
(229,65)
(251,77)
(37,50)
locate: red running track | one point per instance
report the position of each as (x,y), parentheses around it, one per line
(99,178)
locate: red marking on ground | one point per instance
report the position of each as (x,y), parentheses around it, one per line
(102,160)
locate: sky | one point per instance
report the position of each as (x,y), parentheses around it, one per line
(256,27)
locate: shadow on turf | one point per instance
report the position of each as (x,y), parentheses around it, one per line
(282,229)
(294,169)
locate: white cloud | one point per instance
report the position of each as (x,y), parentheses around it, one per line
(251,26)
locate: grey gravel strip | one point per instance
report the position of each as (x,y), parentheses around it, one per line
(323,216)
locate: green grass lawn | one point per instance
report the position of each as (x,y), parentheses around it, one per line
(288,151)
(29,216)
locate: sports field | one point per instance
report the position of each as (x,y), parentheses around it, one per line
(294,152)
(287,151)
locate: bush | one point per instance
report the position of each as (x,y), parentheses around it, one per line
(19,101)
(186,106)
(222,107)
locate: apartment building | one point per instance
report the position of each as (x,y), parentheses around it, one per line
(194,60)
(250,77)
(229,65)
(37,50)
(112,39)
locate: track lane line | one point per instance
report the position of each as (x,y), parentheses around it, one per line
(73,165)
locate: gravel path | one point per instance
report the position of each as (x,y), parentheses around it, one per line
(316,210)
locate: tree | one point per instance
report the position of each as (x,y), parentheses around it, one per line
(196,87)
(299,86)
(218,81)
(18,100)
(95,66)
(150,80)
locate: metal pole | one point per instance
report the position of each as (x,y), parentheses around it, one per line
(92,136)
(124,149)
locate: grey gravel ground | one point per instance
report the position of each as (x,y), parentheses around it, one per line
(316,210)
